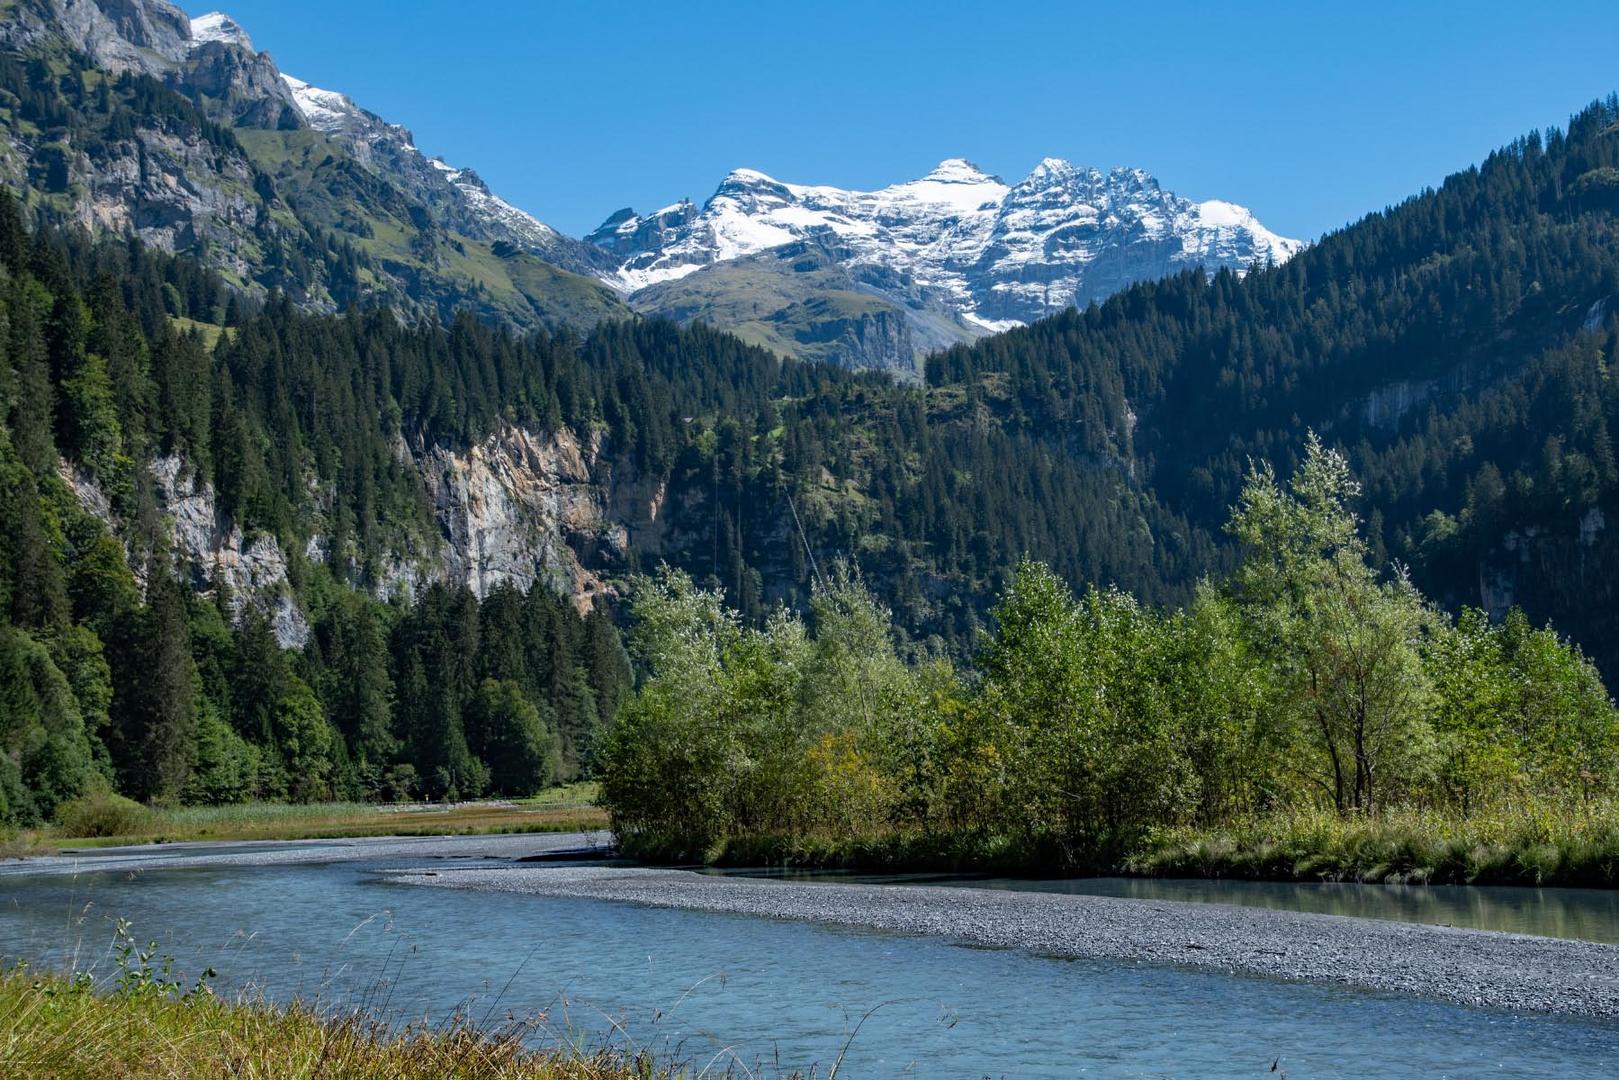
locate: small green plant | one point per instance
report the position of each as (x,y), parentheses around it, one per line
(142,972)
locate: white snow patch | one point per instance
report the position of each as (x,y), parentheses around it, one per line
(325,110)
(994,326)
(966,240)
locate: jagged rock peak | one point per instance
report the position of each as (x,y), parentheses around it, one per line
(327,110)
(217,26)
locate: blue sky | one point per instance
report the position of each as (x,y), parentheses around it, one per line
(1311,114)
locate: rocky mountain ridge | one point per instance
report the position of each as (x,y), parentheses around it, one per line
(277,183)
(957,241)
(459,196)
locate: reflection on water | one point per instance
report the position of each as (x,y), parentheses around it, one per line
(1587,914)
(706,986)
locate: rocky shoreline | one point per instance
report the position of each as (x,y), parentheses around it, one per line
(1480,968)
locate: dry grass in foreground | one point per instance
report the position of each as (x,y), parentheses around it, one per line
(53,1026)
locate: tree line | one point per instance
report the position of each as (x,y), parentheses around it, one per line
(1314,676)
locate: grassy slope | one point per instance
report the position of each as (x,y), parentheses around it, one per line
(787,306)
(210,332)
(50,1027)
(334,193)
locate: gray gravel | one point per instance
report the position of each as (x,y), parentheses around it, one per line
(1470,967)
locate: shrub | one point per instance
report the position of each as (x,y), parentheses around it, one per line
(102,814)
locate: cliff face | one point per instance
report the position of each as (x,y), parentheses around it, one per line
(871,338)
(1554,573)
(522,507)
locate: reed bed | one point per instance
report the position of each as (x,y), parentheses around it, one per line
(104,820)
(1574,843)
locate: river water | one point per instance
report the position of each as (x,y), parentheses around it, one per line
(770,996)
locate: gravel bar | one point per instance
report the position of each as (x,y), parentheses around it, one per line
(1482,968)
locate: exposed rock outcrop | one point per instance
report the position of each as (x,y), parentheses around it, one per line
(521,507)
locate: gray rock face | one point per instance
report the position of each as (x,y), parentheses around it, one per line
(172,191)
(521,507)
(518,508)
(243,85)
(150,36)
(217,551)
(868,339)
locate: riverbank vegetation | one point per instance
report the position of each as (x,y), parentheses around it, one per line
(105,819)
(1312,715)
(1539,842)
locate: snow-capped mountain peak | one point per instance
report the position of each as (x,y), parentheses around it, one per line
(989,254)
(958,171)
(217,26)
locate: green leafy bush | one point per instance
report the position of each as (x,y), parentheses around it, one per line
(102,814)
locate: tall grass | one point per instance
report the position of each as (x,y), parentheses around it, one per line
(105,819)
(1530,843)
(1534,843)
(54,1026)
(132,1014)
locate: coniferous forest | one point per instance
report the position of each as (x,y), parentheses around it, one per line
(123,668)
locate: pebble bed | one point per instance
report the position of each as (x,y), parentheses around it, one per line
(1481,968)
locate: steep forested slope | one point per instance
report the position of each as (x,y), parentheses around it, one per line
(122,661)
(113,117)
(1458,345)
